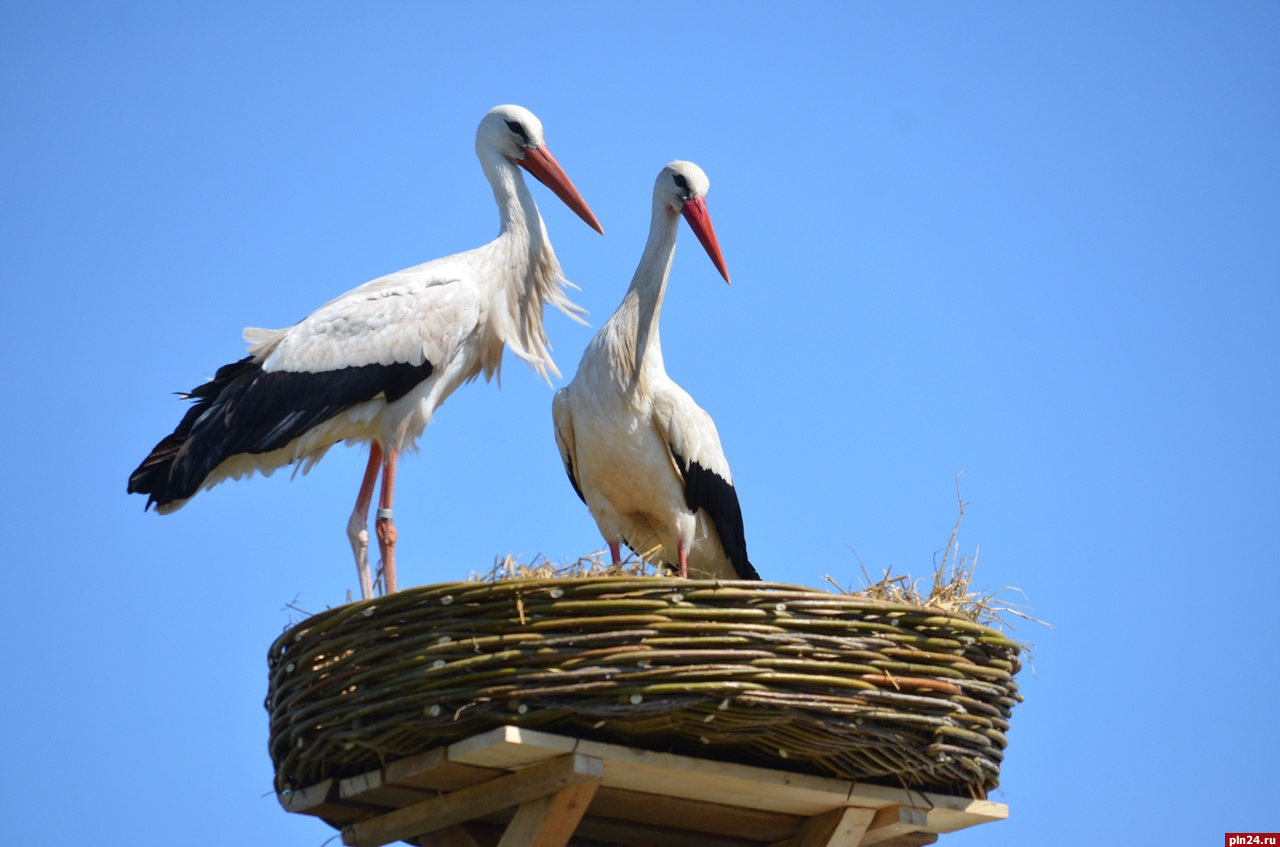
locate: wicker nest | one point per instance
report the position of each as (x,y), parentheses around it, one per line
(759,673)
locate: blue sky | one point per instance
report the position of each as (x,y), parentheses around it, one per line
(1036,244)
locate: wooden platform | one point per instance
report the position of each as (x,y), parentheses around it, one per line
(515,787)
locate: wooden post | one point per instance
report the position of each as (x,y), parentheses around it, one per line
(549,821)
(898,826)
(837,828)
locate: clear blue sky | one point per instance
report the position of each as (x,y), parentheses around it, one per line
(1038,244)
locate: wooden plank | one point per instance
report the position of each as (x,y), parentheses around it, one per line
(837,828)
(450,836)
(911,839)
(693,815)
(433,771)
(667,774)
(510,747)
(776,791)
(484,834)
(594,830)
(947,813)
(478,800)
(371,788)
(305,801)
(549,821)
(322,801)
(894,822)
(952,813)
(690,794)
(663,773)
(718,782)
(648,835)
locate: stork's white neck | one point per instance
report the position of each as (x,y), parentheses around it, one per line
(523,272)
(516,207)
(634,326)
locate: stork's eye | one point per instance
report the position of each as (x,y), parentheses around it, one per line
(518,129)
(682,182)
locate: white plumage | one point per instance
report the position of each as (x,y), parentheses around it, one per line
(374,364)
(639,451)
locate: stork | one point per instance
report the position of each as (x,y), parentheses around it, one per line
(374,364)
(639,452)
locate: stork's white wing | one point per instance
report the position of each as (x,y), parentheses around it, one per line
(697,456)
(562,415)
(419,314)
(689,431)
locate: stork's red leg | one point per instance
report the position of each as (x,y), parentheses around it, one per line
(683,555)
(358,525)
(615,552)
(385,523)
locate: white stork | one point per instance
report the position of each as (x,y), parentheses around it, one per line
(374,364)
(640,453)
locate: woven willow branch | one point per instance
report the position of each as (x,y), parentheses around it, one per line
(761,673)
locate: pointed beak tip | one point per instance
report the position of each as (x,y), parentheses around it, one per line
(580,208)
(695,213)
(544,167)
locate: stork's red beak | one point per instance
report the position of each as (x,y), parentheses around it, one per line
(539,162)
(695,212)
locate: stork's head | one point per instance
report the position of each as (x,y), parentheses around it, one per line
(682,187)
(516,133)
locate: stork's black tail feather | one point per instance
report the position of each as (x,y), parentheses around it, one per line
(173,471)
(245,409)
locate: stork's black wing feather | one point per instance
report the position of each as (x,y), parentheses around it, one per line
(707,490)
(573,480)
(245,409)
